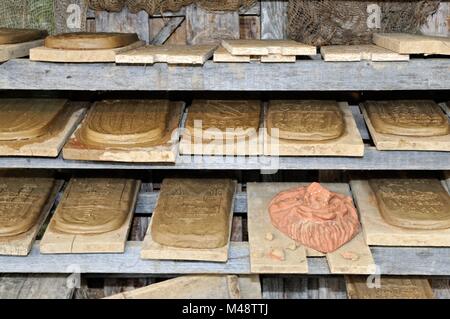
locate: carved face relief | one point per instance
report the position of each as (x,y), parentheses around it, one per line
(93,206)
(193,213)
(21,203)
(22,119)
(315,217)
(229,118)
(305,120)
(411,118)
(126,122)
(413,203)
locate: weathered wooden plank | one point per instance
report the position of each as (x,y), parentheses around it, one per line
(205,27)
(167,30)
(274,19)
(392,261)
(304,75)
(272,287)
(438,23)
(123,21)
(372,160)
(35,287)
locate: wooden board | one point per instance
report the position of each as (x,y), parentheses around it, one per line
(222,55)
(274,19)
(259,226)
(337,53)
(260,231)
(170,54)
(379,233)
(404,43)
(48,145)
(18,50)
(390,142)
(198,287)
(207,27)
(268,47)
(166,153)
(153,250)
(349,144)
(111,242)
(21,245)
(44,286)
(390,288)
(354,257)
(79,56)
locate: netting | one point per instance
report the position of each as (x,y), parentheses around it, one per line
(33,14)
(325,22)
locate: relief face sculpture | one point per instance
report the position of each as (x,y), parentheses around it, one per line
(413,203)
(21,203)
(90,41)
(22,119)
(315,217)
(193,213)
(126,122)
(216,116)
(94,206)
(408,118)
(306,120)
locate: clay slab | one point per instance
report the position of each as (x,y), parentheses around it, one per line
(266,242)
(21,245)
(390,142)
(166,152)
(377,232)
(50,144)
(349,144)
(390,288)
(171,54)
(199,287)
(54,242)
(153,250)
(79,56)
(370,52)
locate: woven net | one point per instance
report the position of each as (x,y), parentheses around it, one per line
(159,6)
(107,5)
(32,14)
(325,22)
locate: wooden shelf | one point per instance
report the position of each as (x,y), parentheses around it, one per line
(392,261)
(372,160)
(304,75)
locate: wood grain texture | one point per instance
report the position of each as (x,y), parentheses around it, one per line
(346,53)
(198,287)
(392,261)
(35,287)
(304,75)
(274,19)
(178,35)
(413,44)
(205,27)
(79,56)
(250,27)
(268,47)
(166,31)
(379,232)
(124,22)
(170,54)
(18,50)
